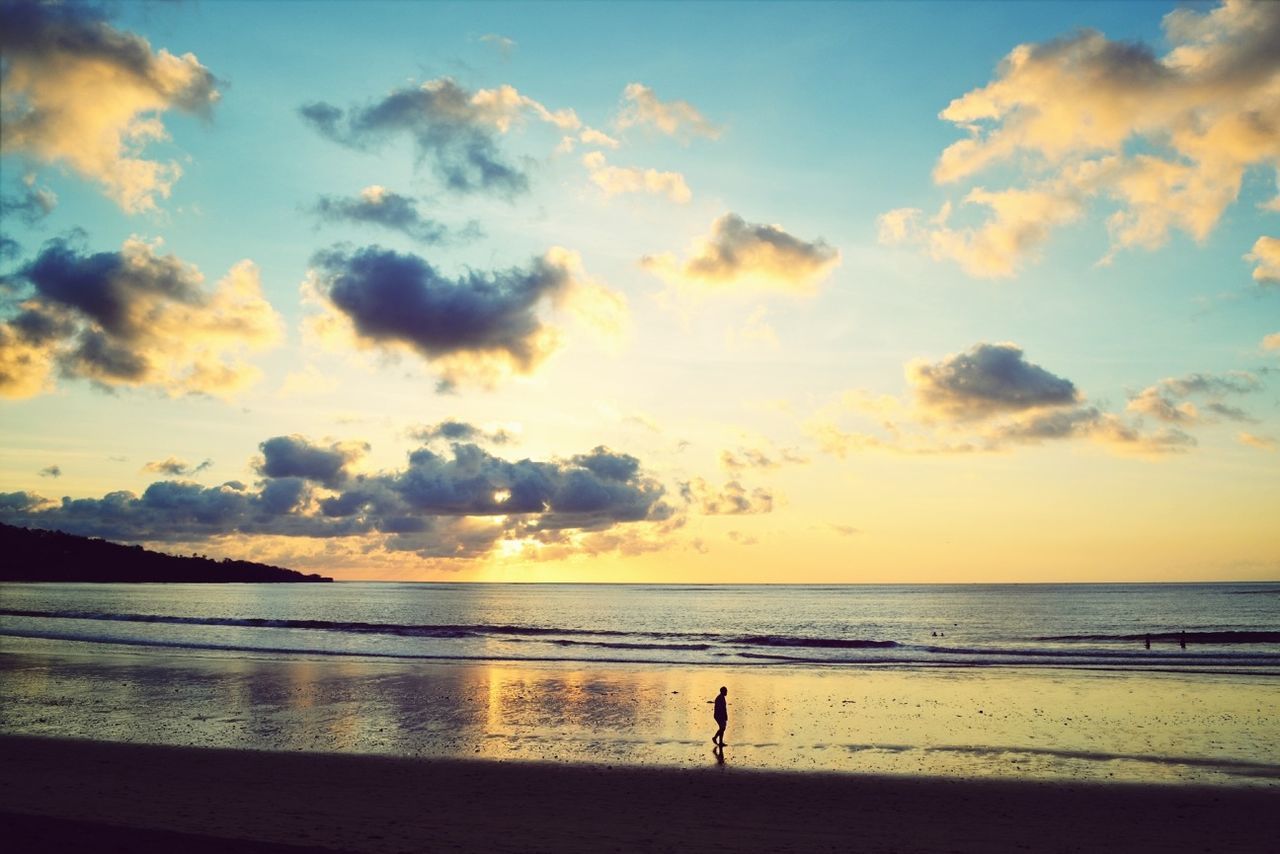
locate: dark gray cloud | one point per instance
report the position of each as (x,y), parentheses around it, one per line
(18,502)
(175,467)
(455,504)
(128,317)
(586,491)
(294,456)
(986,380)
(178,511)
(1091,423)
(105,288)
(51,471)
(737,251)
(31,205)
(400,299)
(452,430)
(451,130)
(381,207)
(88,308)
(1065,423)
(37,325)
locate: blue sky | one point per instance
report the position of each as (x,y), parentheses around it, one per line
(1067,417)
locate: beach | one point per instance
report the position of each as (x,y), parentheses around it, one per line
(120,793)
(1066,725)
(193,717)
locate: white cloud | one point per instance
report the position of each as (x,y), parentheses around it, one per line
(1266,257)
(591,136)
(81,93)
(617,180)
(1165,139)
(673,118)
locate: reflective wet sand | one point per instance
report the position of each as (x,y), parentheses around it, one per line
(1041,724)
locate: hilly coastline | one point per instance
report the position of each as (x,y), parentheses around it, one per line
(35,555)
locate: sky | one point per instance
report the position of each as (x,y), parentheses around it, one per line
(631,292)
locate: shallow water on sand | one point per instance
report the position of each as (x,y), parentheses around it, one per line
(1132,627)
(984,722)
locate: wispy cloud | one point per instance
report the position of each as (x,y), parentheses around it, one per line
(1262,443)
(453,430)
(453,128)
(642,108)
(376,205)
(731,499)
(1168,401)
(31,205)
(175,467)
(503,44)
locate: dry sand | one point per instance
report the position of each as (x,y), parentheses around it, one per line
(58,794)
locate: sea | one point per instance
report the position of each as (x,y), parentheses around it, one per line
(1208,628)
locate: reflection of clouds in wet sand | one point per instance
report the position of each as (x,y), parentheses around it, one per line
(1069,725)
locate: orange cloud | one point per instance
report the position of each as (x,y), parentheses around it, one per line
(82,93)
(1070,111)
(616,180)
(1266,257)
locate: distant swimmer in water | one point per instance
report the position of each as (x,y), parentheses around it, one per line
(721,714)
(1148,641)
(1182,640)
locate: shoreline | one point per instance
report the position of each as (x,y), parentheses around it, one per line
(351,802)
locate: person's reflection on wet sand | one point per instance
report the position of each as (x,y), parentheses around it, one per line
(718,753)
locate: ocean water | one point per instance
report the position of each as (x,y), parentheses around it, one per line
(1193,628)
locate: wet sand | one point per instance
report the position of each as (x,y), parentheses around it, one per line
(58,794)
(1068,726)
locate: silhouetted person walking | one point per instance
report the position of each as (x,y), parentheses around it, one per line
(721,714)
